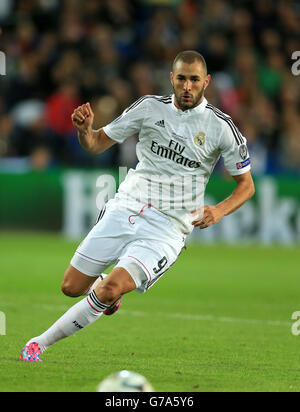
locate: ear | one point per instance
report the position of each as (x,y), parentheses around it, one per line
(171,78)
(207,80)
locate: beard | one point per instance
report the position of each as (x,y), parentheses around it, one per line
(195,101)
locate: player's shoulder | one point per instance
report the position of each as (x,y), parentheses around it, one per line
(226,123)
(151,99)
(223,119)
(218,115)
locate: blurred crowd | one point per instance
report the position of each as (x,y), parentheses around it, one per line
(62,53)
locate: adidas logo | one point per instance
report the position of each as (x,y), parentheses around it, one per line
(160,123)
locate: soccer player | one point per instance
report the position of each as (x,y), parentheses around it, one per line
(142,230)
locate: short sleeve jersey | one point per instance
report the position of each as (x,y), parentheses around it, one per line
(177,152)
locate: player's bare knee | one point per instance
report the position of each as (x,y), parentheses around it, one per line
(66,290)
(69,290)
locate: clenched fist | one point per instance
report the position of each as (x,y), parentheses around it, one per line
(83,117)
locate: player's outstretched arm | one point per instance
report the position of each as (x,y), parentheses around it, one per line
(209,215)
(93,141)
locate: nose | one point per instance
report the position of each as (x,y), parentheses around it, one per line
(187,85)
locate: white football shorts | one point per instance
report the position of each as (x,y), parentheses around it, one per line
(138,238)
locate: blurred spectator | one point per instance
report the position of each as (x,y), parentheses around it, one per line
(59,108)
(40,158)
(141,76)
(6,128)
(26,83)
(290,143)
(62,53)
(257,150)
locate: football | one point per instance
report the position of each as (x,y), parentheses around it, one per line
(125,381)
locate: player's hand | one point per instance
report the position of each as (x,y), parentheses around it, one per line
(206,216)
(83,117)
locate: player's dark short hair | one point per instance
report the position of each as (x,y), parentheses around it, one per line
(190,56)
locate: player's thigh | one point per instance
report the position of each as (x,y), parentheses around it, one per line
(98,251)
(104,243)
(147,261)
(76,283)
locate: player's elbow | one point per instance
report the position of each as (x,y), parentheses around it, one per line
(249,186)
(95,148)
(101,142)
(251,190)
(99,150)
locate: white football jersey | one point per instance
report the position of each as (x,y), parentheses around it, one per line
(177,152)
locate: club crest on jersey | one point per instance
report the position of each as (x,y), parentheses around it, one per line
(199,140)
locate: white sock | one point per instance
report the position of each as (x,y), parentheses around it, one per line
(82,314)
(98,280)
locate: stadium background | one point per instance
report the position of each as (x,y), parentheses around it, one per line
(220,320)
(60,54)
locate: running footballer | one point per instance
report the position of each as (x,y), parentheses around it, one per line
(142,230)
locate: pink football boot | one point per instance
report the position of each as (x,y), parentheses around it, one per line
(114,307)
(31,352)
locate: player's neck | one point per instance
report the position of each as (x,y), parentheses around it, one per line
(187,108)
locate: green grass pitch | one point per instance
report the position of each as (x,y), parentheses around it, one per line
(219,320)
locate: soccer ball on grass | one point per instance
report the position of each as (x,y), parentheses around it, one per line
(125,381)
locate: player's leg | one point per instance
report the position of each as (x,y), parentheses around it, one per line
(155,250)
(76,283)
(95,254)
(82,314)
(100,249)
(116,284)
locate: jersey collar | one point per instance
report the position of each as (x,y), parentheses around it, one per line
(198,109)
